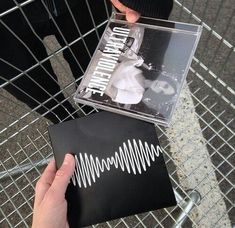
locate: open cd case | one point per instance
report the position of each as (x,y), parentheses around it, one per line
(139,69)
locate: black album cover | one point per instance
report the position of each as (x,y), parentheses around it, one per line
(120,170)
(139,69)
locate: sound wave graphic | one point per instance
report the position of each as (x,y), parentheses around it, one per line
(133,157)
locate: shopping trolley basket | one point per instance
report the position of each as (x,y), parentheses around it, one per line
(198,146)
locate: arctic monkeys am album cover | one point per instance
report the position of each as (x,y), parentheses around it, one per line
(120,170)
(139,69)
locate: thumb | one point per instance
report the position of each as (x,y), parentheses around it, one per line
(132,16)
(62,177)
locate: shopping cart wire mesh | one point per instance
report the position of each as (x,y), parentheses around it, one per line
(198,146)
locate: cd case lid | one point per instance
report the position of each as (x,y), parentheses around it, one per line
(139,69)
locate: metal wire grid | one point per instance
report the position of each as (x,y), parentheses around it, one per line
(199,151)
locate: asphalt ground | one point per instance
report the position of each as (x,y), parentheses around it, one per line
(199,145)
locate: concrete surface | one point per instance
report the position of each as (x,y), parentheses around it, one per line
(200,141)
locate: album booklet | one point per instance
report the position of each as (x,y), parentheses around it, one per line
(120,169)
(139,69)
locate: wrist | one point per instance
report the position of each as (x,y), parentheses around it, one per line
(150,8)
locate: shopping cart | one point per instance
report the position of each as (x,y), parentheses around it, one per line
(198,146)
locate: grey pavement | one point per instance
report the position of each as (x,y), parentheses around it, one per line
(199,145)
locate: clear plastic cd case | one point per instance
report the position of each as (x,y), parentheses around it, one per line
(139,69)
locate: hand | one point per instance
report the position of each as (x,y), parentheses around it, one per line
(131,15)
(50,206)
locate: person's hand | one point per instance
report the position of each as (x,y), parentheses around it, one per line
(131,15)
(50,206)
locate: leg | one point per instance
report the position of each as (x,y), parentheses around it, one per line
(72,28)
(81,50)
(37,86)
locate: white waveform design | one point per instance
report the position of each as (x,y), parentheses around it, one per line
(133,157)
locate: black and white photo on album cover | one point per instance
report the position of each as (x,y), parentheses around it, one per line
(138,69)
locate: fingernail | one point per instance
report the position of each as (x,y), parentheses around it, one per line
(66,159)
(51,161)
(132,16)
